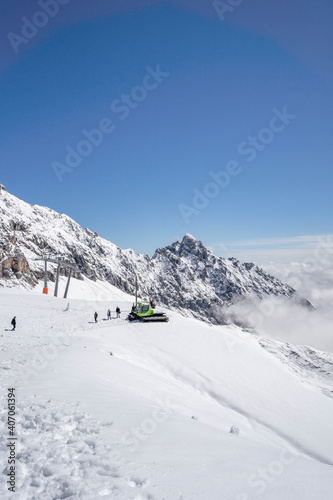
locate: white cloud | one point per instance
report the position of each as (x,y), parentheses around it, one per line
(280,250)
(286,321)
(304,262)
(306,240)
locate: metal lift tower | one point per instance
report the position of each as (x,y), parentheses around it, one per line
(61,263)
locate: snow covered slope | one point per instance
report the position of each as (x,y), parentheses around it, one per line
(184,276)
(132,411)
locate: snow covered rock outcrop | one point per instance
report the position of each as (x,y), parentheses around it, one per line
(195,279)
(185,275)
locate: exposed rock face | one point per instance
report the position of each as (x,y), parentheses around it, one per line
(18,264)
(199,281)
(185,275)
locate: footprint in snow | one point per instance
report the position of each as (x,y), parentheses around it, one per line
(104,492)
(90,443)
(141,496)
(135,482)
(46,471)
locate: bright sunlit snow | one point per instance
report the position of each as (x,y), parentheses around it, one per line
(119,410)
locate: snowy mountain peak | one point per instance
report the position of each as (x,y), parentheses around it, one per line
(191,243)
(188,237)
(189,246)
(184,275)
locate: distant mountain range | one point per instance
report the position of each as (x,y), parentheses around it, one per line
(184,276)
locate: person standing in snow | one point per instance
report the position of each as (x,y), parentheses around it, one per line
(118,312)
(109,314)
(95,316)
(13,323)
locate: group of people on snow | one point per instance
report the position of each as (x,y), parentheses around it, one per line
(13,322)
(108,314)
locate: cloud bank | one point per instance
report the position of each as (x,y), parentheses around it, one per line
(286,321)
(312,278)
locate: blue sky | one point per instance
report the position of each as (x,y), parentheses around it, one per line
(223,82)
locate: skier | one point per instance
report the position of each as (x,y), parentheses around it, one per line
(118,312)
(13,323)
(109,314)
(95,316)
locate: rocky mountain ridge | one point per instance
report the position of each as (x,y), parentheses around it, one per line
(184,276)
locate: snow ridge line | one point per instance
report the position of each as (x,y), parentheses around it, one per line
(224,402)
